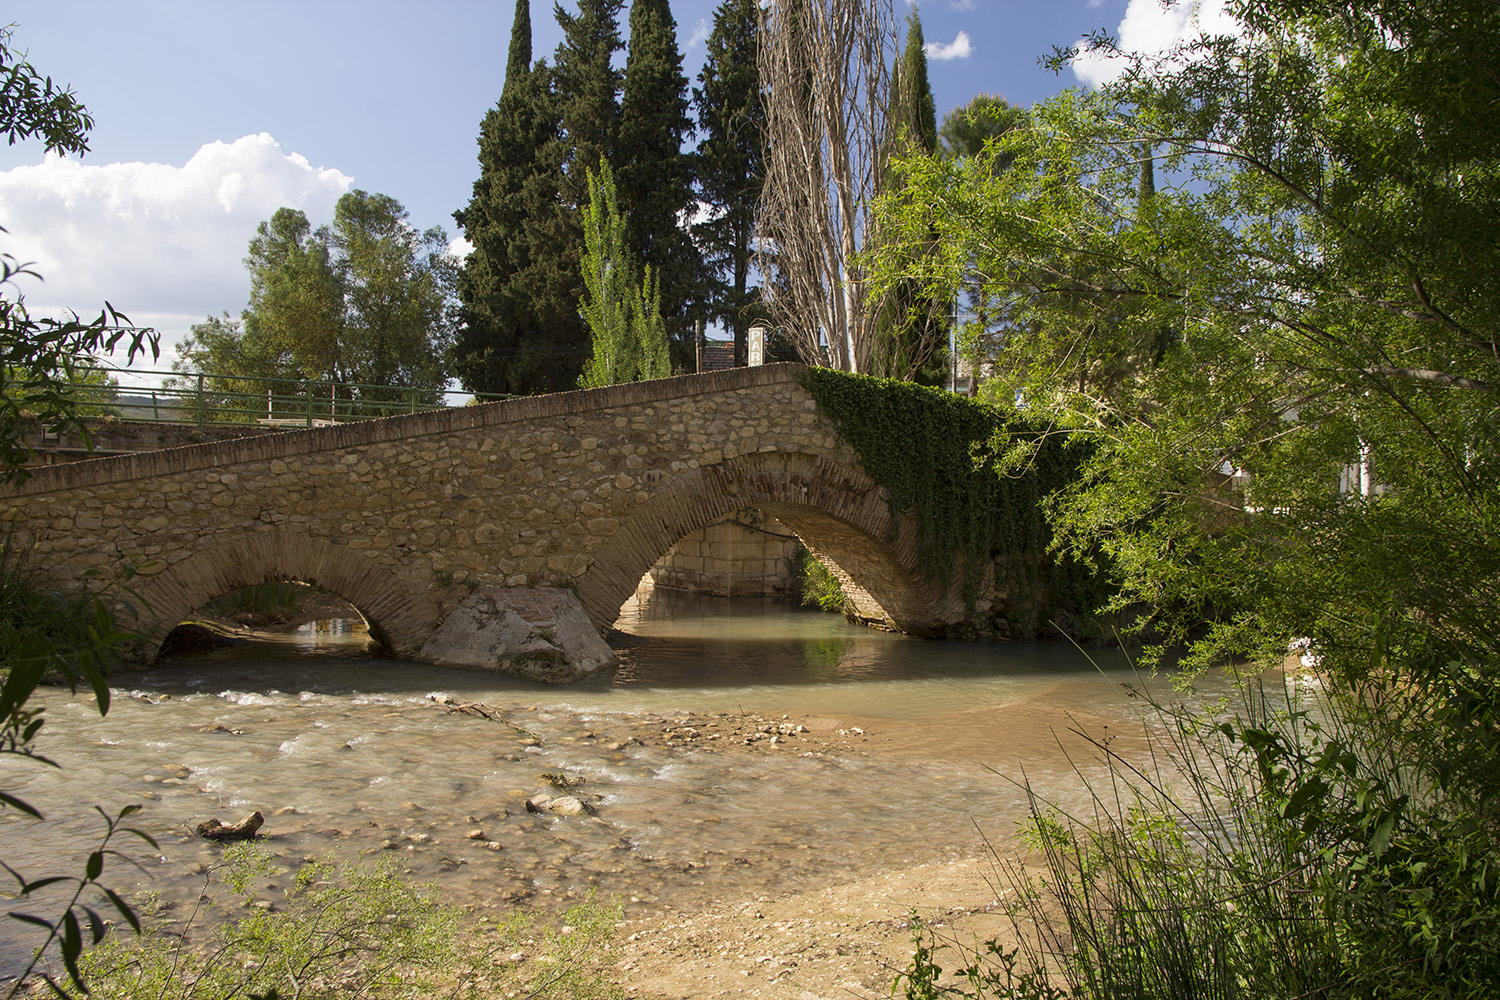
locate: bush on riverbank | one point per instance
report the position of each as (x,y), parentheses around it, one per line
(1295,847)
(341,930)
(274,600)
(40,625)
(816,585)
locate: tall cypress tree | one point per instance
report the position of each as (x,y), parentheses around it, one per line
(913,327)
(587,88)
(913,111)
(731,122)
(518,60)
(653,174)
(520,330)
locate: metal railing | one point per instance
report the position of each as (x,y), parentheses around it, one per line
(204,398)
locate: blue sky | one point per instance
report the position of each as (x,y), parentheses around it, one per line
(211,114)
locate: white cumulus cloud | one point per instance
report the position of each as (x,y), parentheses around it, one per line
(1149,28)
(162,243)
(959,48)
(699,35)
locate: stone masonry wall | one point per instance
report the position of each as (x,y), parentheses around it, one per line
(730,560)
(402,516)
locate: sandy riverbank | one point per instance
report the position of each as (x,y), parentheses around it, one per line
(848,938)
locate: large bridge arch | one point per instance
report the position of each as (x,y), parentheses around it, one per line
(168,597)
(836,509)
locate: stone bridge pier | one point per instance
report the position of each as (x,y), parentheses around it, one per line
(403,516)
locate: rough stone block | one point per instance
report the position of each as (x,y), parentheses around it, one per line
(536,633)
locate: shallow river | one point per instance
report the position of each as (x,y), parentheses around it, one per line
(350,754)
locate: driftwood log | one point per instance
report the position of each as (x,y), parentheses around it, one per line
(243,830)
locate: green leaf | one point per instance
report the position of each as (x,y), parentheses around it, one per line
(126,911)
(10,800)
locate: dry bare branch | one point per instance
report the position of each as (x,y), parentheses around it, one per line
(824,72)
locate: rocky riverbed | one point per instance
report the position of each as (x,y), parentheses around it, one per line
(767,813)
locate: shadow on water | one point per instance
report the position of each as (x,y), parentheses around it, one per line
(692,639)
(680,651)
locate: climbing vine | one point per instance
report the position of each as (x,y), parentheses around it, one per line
(974,477)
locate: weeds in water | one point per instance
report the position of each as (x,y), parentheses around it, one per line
(347,930)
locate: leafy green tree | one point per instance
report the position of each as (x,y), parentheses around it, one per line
(397,283)
(967,129)
(1328,291)
(654,174)
(649,328)
(519,331)
(624,316)
(1311,454)
(222,368)
(730,165)
(607,279)
(362,306)
(295,321)
(912,328)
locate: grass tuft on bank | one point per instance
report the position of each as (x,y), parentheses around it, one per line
(338,930)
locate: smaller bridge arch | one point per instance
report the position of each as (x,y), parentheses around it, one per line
(177,591)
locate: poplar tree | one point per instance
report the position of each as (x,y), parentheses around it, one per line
(629,337)
(731,157)
(520,330)
(606,300)
(654,175)
(825,75)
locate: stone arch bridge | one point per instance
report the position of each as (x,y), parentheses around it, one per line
(403,516)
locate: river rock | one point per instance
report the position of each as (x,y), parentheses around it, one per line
(567,805)
(535,633)
(243,830)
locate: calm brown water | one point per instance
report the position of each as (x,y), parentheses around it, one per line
(349,755)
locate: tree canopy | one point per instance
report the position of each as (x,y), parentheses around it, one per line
(730,162)
(362,305)
(654,172)
(1285,353)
